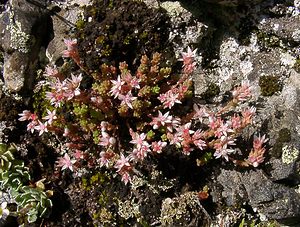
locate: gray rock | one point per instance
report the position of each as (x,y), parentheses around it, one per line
(186,30)
(231,2)
(233,191)
(62,26)
(273,200)
(24,29)
(284,28)
(14,70)
(284,172)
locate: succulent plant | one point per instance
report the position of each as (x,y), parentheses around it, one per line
(32,202)
(6,155)
(13,173)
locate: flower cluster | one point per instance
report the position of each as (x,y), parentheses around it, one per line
(35,123)
(125,118)
(65,162)
(188,60)
(63,90)
(256,155)
(71,51)
(243,92)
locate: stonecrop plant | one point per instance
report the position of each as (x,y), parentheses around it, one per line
(125,117)
(32,202)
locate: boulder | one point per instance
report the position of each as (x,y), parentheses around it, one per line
(25,28)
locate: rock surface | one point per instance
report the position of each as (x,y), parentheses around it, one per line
(269,50)
(269,199)
(63,22)
(24,30)
(236,40)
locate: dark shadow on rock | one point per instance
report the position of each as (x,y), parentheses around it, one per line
(10,221)
(233,18)
(61,204)
(27,30)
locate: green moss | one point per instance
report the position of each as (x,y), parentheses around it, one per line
(98,178)
(267,40)
(297,65)
(84,184)
(269,85)
(80,110)
(120,30)
(212,91)
(96,115)
(100,40)
(91,181)
(40,103)
(80,23)
(103,217)
(144,35)
(127,40)
(284,136)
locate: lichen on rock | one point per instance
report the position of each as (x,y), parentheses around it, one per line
(19,40)
(289,154)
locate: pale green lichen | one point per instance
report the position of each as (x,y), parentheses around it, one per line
(173,8)
(175,208)
(128,209)
(137,182)
(289,154)
(19,40)
(156,183)
(103,216)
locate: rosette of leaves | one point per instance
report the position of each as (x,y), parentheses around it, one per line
(34,202)
(13,173)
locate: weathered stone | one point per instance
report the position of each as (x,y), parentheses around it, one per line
(284,172)
(233,192)
(61,28)
(14,68)
(230,2)
(186,30)
(284,28)
(273,200)
(24,29)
